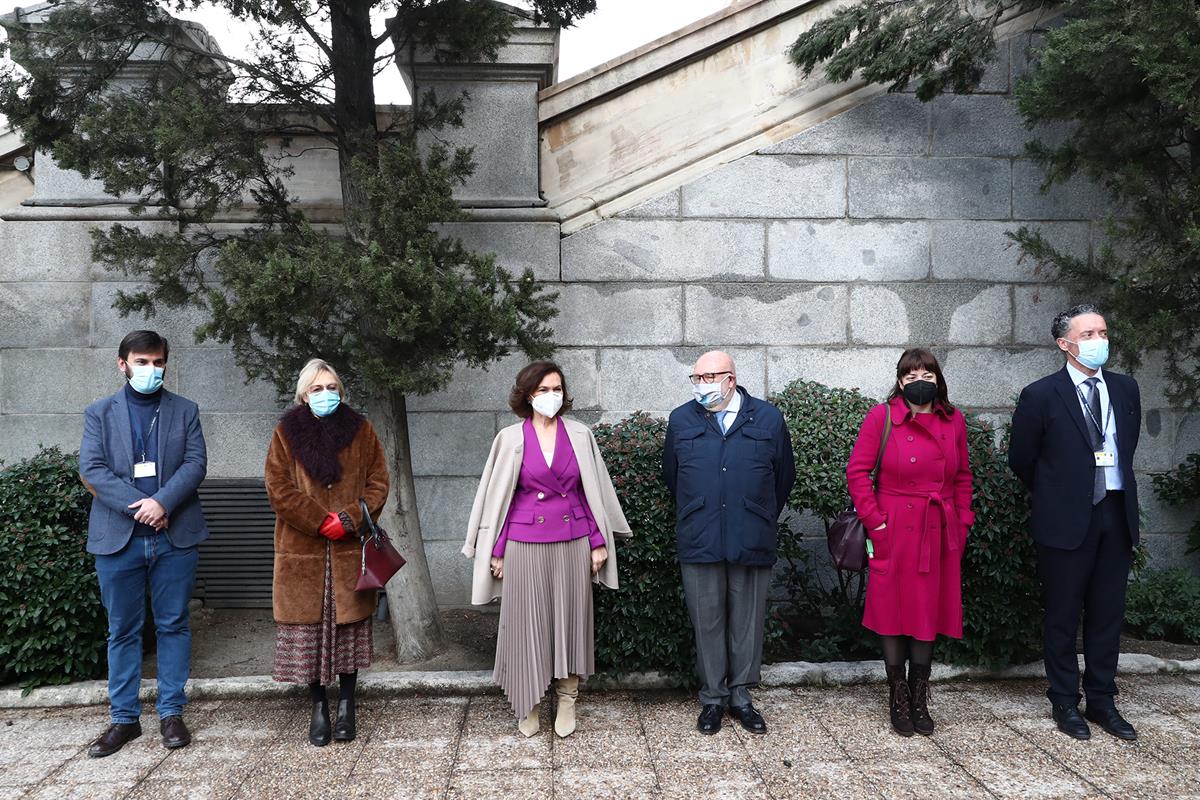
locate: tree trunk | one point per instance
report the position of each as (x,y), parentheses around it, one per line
(353,65)
(411,603)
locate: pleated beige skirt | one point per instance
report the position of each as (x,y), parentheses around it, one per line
(545,619)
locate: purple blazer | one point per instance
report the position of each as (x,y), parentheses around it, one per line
(548,504)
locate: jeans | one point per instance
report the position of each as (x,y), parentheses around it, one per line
(170,572)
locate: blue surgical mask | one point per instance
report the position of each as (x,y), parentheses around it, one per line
(708,395)
(145,378)
(1092,352)
(324,402)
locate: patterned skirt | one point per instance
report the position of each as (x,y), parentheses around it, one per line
(545,619)
(319,652)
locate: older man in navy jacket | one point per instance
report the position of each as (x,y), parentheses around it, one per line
(143,457)
(728,462)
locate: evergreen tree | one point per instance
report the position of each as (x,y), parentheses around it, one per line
(198,139)
(1125,77)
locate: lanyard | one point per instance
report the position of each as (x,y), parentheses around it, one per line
(1087,408)
(137,431)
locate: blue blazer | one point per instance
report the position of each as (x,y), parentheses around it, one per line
(106,464)
(1051,452)
(729,488)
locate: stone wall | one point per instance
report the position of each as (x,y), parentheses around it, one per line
(819,257)
(822,257)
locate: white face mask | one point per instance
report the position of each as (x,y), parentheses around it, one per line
(709,395)
(547,404)
(1093,353)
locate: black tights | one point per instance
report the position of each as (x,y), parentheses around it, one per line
(898,649)
(346,683)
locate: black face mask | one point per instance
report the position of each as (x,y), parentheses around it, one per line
(920,393)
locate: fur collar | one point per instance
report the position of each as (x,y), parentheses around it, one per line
(316,442)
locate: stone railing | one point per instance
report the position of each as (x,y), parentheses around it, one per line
(610,139)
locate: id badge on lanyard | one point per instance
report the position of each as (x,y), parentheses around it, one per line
(1103,457)
(144,468)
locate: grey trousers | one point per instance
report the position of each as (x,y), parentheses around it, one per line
(727,604)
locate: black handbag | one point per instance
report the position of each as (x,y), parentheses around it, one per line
(847,536)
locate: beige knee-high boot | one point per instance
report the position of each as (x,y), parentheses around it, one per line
(531,724)
(567,690)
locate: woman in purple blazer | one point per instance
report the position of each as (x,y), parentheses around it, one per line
(541,529)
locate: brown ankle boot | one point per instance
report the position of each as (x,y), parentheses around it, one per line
(918,687)
(899,702)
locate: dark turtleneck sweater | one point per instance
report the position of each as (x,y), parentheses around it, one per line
(141,414)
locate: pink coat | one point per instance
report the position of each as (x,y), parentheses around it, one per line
(924,496)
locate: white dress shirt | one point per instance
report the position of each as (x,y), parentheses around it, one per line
(1112,475)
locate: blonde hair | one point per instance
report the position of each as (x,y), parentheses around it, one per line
(312,369)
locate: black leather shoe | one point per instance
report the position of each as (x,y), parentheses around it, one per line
(318,729)
(1071,723)
(710,719)
(751,720)
(344,730)
(1112,722)
(114,738)
(174,733)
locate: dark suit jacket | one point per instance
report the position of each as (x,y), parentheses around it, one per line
(106,464)
(729,488)
(1051,452)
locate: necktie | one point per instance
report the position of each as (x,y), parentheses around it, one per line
(1099,487)
(724,415)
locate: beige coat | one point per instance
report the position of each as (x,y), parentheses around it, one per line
(499,483)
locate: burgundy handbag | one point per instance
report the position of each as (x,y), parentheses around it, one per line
(847,536)
(380,561)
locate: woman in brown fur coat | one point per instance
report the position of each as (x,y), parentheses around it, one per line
(323,457)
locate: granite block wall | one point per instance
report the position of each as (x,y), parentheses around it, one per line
(820,257)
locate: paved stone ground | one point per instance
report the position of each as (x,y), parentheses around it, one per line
(993,740)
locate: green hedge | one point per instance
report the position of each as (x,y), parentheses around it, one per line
(1180,487)
(820,618)
(52,625)
(1002,607)
(1164,605)
(644,626)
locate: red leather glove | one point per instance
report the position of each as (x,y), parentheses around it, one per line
(332,528)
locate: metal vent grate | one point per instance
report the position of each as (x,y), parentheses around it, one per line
(237,559)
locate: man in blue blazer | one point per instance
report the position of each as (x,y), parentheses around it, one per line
(1074,434)
(728,462)
(143,457)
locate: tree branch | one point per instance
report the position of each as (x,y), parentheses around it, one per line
(303,22)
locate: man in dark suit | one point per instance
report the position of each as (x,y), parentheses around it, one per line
(143,457)
(728,462)
(1074,434)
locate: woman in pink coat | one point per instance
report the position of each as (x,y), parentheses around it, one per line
(917,512)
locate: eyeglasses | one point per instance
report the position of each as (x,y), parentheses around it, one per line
(707,377)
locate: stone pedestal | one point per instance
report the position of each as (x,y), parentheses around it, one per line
(501,120)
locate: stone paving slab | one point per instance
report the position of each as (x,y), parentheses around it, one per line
(994,740)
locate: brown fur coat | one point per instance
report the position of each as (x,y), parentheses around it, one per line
(315,466)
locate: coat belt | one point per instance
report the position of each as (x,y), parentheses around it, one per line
(947,511)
